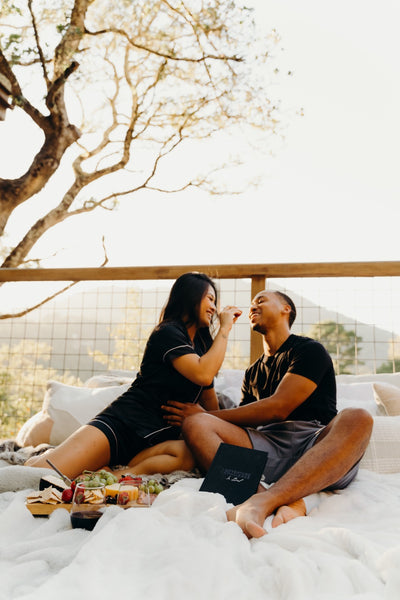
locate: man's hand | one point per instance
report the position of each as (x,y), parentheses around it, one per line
(178,411)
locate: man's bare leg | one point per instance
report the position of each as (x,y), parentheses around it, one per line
(204,433)
(208,432)
(87,448)
(339,447)
(284,514)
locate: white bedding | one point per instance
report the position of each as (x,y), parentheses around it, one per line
(182,547)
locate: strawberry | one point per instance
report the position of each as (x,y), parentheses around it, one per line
(67,494)
(135,480)
(80,496)
(123,498)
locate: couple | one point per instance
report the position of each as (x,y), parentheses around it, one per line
(288,407)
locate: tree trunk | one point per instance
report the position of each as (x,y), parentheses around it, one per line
(16,191)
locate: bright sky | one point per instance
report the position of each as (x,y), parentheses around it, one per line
(330,194)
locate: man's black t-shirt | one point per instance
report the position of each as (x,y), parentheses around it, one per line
(302,356)
(157,382)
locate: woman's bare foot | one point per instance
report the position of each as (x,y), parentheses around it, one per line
(289,512)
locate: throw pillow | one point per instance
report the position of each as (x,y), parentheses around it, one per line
(70,406)
(387,397)
(360,395)
(65,408)
(35,430)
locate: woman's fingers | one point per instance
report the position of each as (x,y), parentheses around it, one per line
(229,315)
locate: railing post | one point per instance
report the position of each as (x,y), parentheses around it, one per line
(256,340)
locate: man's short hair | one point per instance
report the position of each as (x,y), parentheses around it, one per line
(290,303)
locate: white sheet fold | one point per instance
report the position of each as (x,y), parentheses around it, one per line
(183,547)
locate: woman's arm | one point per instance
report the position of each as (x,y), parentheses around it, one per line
(202,369)
(208,400)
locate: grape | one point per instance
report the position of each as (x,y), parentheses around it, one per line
(158,488)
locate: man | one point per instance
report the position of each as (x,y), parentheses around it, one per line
(289,410)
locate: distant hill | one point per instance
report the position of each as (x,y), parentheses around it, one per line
(82,321)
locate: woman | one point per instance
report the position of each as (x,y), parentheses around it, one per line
(180,362)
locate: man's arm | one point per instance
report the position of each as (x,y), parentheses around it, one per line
(292,391)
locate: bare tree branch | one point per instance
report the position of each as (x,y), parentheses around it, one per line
(26,311)
(38,45)
(166,55)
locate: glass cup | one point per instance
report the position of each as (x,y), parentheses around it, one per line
(131,493)
(88,505)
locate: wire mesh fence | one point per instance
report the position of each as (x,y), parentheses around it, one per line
(99,327)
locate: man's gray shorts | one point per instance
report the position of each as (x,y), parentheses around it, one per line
(285,443)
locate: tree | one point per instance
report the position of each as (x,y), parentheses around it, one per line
(393,364)
(24,373)
(341,343)
(120,89)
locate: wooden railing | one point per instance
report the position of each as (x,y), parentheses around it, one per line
(258,273)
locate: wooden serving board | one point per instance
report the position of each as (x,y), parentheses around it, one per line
(39,509)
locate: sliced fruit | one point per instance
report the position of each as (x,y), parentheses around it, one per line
(114,489)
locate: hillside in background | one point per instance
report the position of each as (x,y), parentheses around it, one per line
(85,320)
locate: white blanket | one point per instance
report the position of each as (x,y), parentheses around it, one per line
(183,547)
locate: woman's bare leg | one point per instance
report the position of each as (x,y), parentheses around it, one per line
(165,457)
(87,448)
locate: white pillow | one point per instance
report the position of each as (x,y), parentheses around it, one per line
(229,383)
(35,430)
(65,408)
(387,398)
(383,452)
(70,406)
(392,378)
(359,395)
(98,381)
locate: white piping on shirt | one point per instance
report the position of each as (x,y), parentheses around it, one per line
(175,348)
(157,431)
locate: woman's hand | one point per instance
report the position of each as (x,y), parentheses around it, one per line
(178,411)
(228,316)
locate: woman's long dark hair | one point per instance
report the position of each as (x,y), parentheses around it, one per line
(184,301)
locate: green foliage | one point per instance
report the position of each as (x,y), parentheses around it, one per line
(391,366)
(8,8)
(341,343)
(24,373)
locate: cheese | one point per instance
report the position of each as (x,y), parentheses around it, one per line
(52,481)
(114,489)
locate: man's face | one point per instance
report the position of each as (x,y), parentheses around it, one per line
(266,311)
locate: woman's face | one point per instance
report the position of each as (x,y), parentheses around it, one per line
(207,308)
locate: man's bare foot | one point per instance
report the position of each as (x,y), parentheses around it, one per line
(250,515)
(289,512)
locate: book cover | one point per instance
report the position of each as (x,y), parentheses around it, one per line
(235,472)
